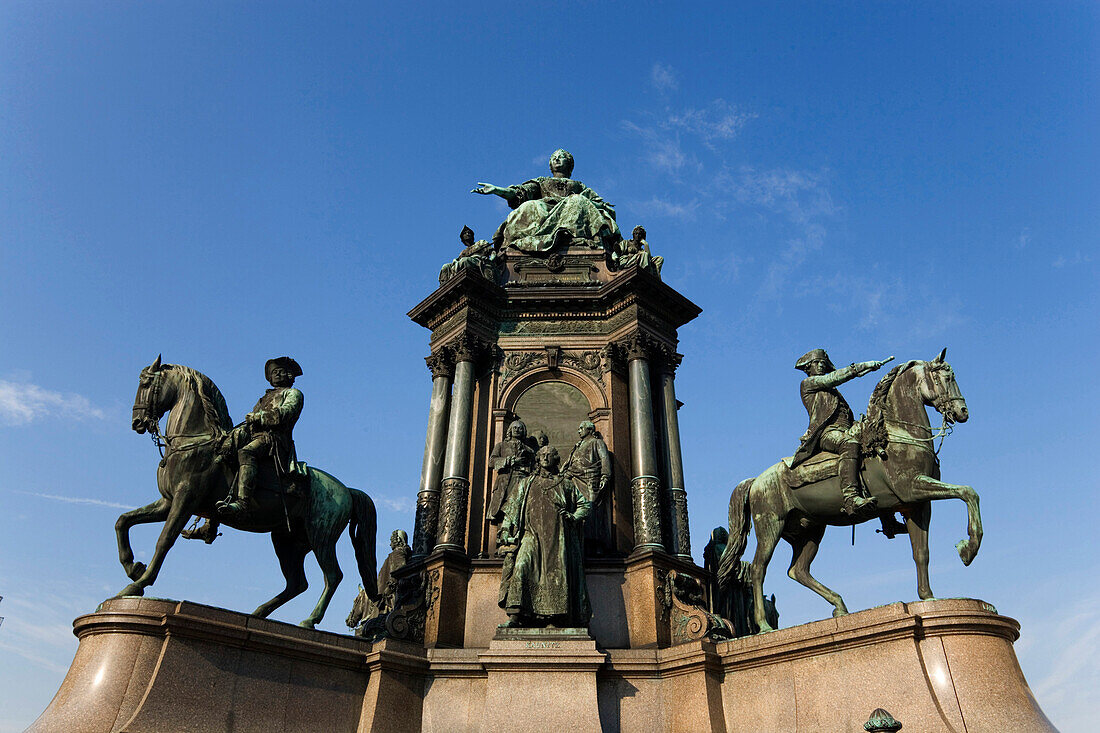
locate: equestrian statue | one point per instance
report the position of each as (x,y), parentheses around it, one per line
(302,507)
(826,484)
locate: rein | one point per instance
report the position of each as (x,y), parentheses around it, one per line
(946,428)
(163,442)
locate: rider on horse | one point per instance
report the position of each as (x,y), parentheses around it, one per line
(266,433)
(831,421)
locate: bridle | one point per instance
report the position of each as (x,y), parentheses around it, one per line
(151,395)
(941,401)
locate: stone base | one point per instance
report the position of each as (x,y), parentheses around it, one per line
(154,665)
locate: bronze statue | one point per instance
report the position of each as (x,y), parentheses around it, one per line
(589,464)
(635,251)
(364,609)
(554,211)
(831,422)
(513,459)
(901,471)
(190,483)
(265,435)
(479,256)
(542,581)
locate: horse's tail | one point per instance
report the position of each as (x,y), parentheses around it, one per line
(730,562)
(362,530)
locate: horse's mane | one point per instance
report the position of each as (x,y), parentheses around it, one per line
(874,425)
(213,403)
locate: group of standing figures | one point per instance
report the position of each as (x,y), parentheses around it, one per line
(539,507)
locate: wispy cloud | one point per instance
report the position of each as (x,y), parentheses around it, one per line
(1077,258)
(1024,238)
(720,121)
(403,504)
(666,207)
(1073,667)
(663,77)
(23,402)
(663,135)
(661,150)
(76,500)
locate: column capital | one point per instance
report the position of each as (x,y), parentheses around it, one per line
(638,345)
(469,347)
(441,362)
(667,360)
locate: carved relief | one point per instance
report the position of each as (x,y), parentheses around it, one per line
(452,520)
(680,522)
(441,363)
(647,507)
(426,524)
(418,595)
(688,619)
(517,363)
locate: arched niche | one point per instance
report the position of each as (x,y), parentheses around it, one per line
(555,402)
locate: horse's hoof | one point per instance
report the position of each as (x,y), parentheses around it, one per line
(838,612)
(966,554)
(130,591)
(136,571)
(307,624)
(765,628)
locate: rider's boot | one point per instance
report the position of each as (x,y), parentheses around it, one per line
(855,503)
(891,527)
(246,480)
(208,532)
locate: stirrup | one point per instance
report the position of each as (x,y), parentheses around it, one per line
(855,506)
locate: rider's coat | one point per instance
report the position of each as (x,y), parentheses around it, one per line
(279,409)
(827,408)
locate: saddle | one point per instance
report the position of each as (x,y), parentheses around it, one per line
(818,467)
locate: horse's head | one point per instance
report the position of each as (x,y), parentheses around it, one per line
(940,390)
(148,403)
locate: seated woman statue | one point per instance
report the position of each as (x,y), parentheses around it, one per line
(553,212)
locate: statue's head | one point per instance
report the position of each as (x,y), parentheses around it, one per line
(720,536)
(586,428)
(466,236)
(398,539)
(282,371)
(639,233)
(517,430)
(542,438)
(548,458)
(815,362)
(561,163)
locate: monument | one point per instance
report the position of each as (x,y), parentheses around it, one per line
(549,583)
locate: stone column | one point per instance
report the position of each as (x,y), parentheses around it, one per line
(431,473)
(677,495)
(456,468)
(645,486)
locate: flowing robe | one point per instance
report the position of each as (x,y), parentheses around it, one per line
(544,205)
(509,473)
(544,576)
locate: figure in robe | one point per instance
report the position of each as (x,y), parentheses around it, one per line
(554,211)
(542,582)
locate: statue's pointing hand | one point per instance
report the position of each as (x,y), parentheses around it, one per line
(887,360)
(485,188)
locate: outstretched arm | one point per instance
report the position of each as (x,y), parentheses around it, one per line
(485,189)
(840,376)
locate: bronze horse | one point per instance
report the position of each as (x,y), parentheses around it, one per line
(904,476)
(190,481)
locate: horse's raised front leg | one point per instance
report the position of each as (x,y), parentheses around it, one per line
(805,550)
(178,514)
(916,522)
(326,558)
(291,552)
(926,488)
(154,512)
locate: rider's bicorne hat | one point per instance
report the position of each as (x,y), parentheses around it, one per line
(286,363)
(811,356)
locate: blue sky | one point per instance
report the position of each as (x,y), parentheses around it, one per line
(225,182)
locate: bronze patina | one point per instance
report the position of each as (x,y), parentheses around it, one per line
(553,211)
(635,252)
(479,256)
(901,471)
(191,482)
(513,459)
(589,465)
(542,582)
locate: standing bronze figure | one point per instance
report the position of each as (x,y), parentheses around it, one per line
(542,581)
(191,482)
(901,471)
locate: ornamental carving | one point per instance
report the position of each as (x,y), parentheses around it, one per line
(441,363)
(685,612)
(515,363)
(417,594)
(427,518)
(680,522)
(639,345)
(452,520)
(647,508)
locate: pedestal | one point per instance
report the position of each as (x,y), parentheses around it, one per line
(543,679)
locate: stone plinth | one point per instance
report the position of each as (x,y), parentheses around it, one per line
(542,679)
(154,665)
